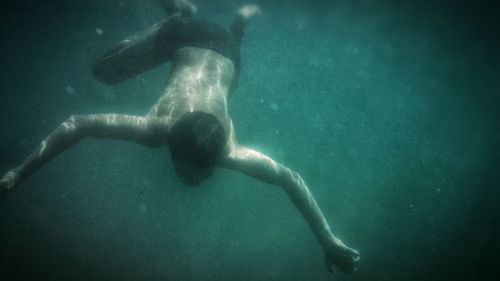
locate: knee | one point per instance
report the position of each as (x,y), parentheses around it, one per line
(105,68)
(120,65)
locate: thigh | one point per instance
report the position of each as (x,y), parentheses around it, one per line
(130,57)
(157,44)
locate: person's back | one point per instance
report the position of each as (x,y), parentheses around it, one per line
(199,80)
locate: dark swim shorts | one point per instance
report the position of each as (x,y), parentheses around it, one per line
(182,32)
(157,44)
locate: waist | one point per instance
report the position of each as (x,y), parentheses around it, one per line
(192,32)
(201,69)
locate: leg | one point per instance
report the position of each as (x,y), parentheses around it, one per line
(140,52)
(130,57)
(142,130)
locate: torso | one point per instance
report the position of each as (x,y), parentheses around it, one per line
(199,80)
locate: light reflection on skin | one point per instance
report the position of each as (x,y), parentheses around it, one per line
(182,95)
(199,80)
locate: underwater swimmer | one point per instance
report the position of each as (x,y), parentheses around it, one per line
(191,117)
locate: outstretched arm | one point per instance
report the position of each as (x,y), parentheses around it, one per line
(260,166)
(142,130)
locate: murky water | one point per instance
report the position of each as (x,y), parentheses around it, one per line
(388,109)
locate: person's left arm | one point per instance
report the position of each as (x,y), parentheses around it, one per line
(262,167)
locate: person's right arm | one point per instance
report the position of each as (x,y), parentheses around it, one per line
(146,131)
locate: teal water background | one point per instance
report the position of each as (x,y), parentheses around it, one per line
(388,109)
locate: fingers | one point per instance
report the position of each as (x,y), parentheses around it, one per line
(330,265)
(356,255)
(344,258)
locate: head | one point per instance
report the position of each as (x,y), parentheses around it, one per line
(196,142)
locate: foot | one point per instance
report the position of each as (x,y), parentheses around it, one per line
(247,12)
(186,7)
(182,7)
(342,257)
(7,183)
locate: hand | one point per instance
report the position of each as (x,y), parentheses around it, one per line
(7,183)
(343,257)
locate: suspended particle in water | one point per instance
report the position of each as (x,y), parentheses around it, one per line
(261,100)
(300,23)
(70,90)
(275,106)
(99,31)
(143,207)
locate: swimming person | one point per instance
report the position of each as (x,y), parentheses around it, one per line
(191,117)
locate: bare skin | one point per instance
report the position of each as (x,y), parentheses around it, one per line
(199,80)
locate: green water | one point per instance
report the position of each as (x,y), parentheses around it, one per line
(388,109)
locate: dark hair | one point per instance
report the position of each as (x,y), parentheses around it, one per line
(198,138)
